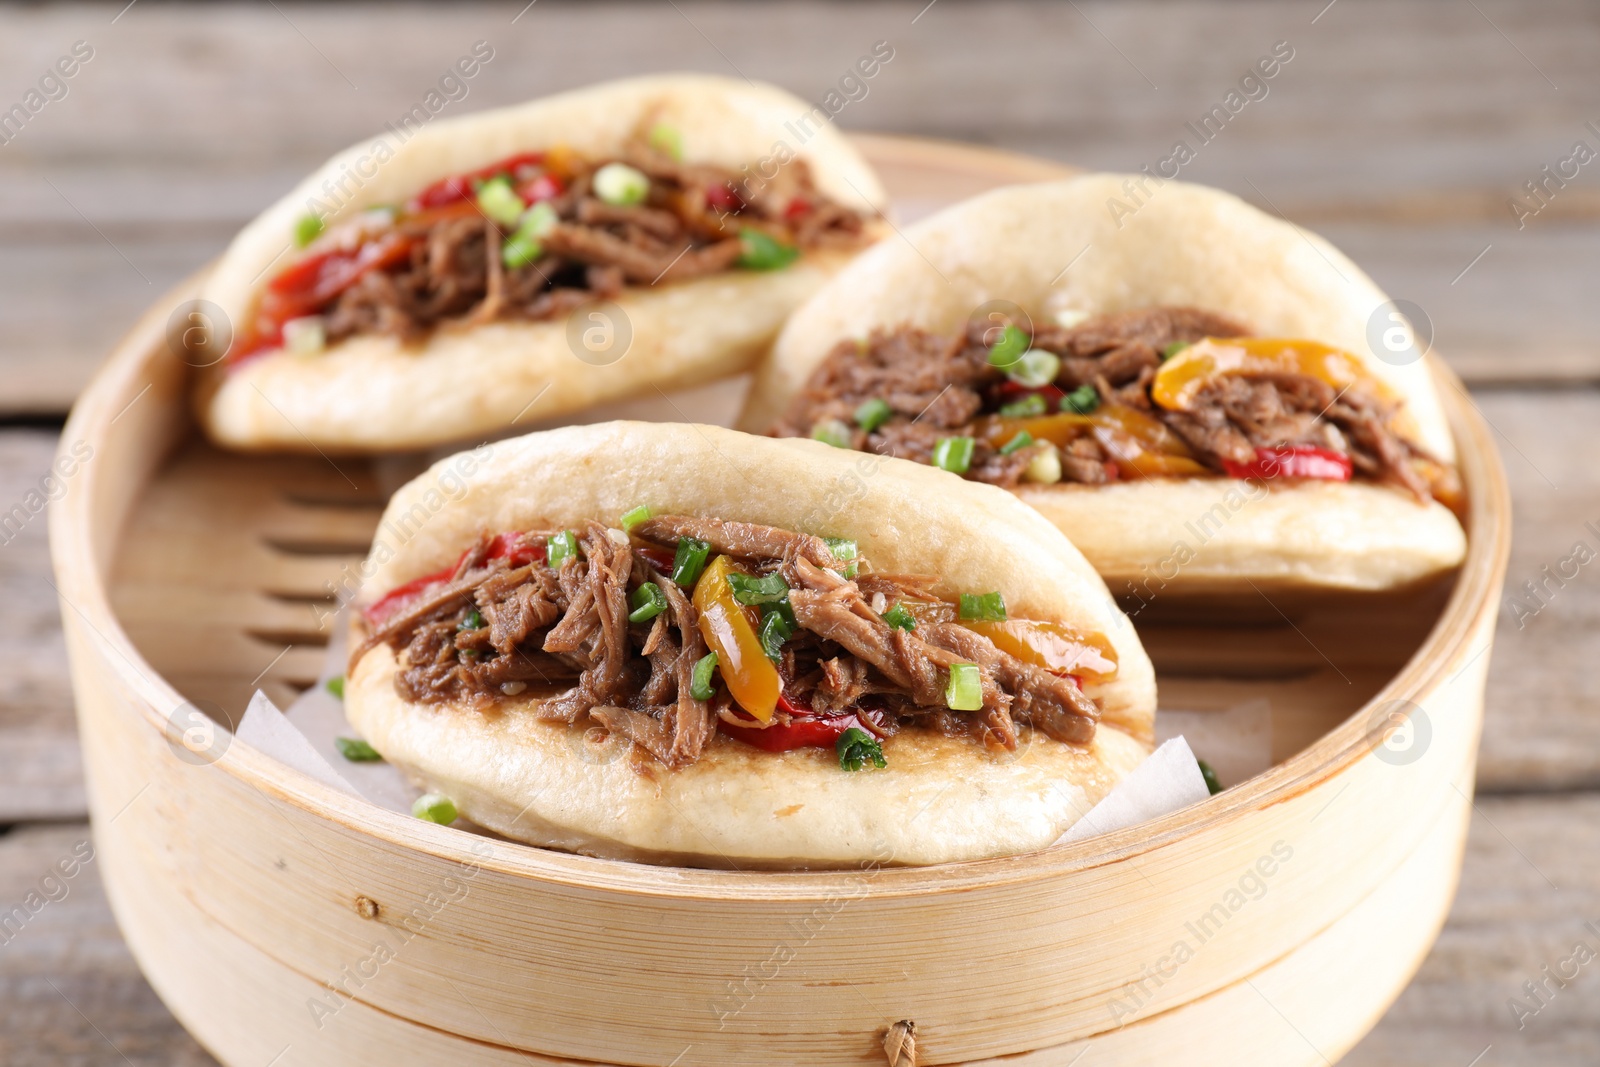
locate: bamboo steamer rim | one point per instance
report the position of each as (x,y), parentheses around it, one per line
(83,590)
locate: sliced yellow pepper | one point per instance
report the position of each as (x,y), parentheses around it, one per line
(728,630)
(561,161)
(1181,378)
(1052,645)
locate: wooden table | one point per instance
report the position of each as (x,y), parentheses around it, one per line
(1401,130)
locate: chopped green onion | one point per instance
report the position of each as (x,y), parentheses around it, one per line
(857,748)
(1035,368)
(620,184)
(843,548)
(356,750)
(473,621)
(647,602)
(435,807)
(749,590)
(518,252)
(524,246)
(873,413)
(1030,405)
(782,608)
(667,140)
(690,560)
(1213,783)
(1006,351)
(700,682)
(983,607)
(1168,351)
(635,516)
(335,686)
(497,200)
(559,547)
(306,230)
(775,630)
(953,454)
(1081,400)
(538,220)
(764,252)
(965,691)
(1045,468)
(306,335)
(1017,443)
(899,618)
(831,432)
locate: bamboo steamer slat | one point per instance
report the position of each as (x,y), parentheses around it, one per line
(250,893)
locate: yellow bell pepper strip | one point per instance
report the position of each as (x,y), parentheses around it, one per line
(1055,646)
(730,633)
(1181,377)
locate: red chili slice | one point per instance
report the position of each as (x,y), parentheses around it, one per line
(797,733)
(1294,461)
(803,730)
(723,198)
(459,186)
(519,553)
(306,287)
(506,546)
(400,595)
(544,187)
(659,558)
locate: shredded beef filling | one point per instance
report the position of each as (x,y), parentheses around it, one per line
(939,387)
(492,629)
(455,270)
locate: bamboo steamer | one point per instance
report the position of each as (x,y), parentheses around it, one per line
(285,922)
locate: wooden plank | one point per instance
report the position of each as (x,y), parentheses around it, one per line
(72,991)
(1541,731)
(1508,923)
(1530,885)
(1376,130)
(40,773)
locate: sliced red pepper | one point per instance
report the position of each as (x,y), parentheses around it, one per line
(1294,461)
(544,187)
(798,209)
(513,549)
(459,186)
(803,730)
(506,546)
(797,733)
(723,198)
(306,287)
(659,558)
(395,599)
